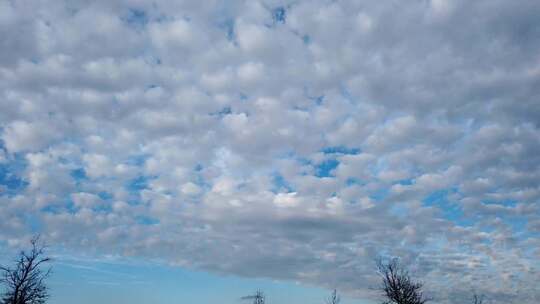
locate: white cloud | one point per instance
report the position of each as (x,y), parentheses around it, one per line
(190,189)
(286,199)
(97,165)
(25,136)
(221,124)
(85,200)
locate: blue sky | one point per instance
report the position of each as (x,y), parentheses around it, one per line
(200,150)
(143,282)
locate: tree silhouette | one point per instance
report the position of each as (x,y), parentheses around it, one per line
(25,282)
(397,285)
(478,299)
(258,297)
(334,298)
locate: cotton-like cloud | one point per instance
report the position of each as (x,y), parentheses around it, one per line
(290,140)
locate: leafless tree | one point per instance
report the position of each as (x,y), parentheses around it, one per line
(334,298)
(258,297)
(478,299)
(24,283)
(397,285)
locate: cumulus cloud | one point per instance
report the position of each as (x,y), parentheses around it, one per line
(293,140)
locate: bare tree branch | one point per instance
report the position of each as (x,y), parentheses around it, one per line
(25,282)
(478,299)
(258,297)
(334,298)
(397,285)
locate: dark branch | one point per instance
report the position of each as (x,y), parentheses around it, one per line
(25,282)
(397,285)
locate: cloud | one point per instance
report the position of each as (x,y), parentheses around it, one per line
(290,140)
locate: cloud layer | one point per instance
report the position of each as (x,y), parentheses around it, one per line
(291,140)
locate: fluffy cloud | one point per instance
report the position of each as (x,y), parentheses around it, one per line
(291,140)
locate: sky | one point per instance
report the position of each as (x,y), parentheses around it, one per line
(195,151)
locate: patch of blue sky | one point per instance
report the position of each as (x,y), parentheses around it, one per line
(439,197)
(223,112)
(504,202)
(63,160)
(136,18)
(280,184)
(146,220)
(516,223)
(11,181)
(380,194)
(319,100)
(134,199)
(78,174)
(137,160)
(279,15)
(405,182)
(341,150)
(326,167)
(104,195)
(351,181)
(450,210)
(229,28)
(306,39)
(69,206)
(135,186)
(103,208)
(519,225)
(139,183)
(54,209)
(64,205)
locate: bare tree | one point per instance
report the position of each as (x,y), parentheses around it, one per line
(258,297)
(478,299)
(397,285)
(25,282)
(334,298)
